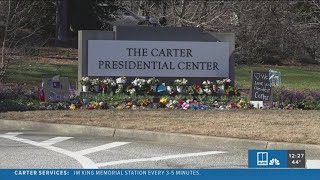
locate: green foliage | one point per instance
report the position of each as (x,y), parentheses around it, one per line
(19,104)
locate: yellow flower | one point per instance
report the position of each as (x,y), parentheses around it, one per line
(120,107)
(242,103)
(163,100)
(129,104)
(95,105)
(73,107)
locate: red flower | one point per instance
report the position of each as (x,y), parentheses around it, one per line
(234,105)
(180,101)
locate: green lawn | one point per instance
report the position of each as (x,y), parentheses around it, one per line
(292,77)
(295,78)
(32,73)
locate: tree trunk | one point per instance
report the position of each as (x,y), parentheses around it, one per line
(61,21)
(164,8)
(5,36)
(141,8)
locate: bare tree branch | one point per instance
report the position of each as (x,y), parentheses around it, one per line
(5,35)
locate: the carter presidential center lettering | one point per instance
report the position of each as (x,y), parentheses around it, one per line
(155,52)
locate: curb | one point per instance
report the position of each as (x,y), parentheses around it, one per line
(160,137)
(185,139)
(63,129)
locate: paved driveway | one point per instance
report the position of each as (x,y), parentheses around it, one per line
(35,149)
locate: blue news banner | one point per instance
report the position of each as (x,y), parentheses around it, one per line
(263,165)
(185,174)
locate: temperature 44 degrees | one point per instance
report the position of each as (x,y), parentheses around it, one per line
(298,161)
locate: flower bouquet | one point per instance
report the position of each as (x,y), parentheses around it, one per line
(163,101)
(207,87)
(139,84)
(108,84)
(85,82)
(120,82)
(96,84)
(190,90)
(180,83)
(153,83)
(170,90)
(131,90)
(223,84)
(206,84)
(198,89)
(207,91)
(216,90)
(227,83)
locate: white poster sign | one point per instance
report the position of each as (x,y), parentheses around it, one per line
(158,58)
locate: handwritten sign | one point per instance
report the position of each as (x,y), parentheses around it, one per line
(261,86)
(56,89)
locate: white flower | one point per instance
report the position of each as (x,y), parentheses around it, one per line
(95,82)
(138,82)
(85,78)
(180,82)
(142,82)
(184,81)
(132,91)
(207,90)
(108,81)
(85,81)
(220,82)
(204,83)
(227,80)
(121,80)
(135,82)
(113,84)
(152,81)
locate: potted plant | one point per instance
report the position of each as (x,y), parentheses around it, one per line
(170,89)
(108,84)
(153,83)
(85,82)
(220,84)
(139,84)
(120,82)
(180,83)
(223,84)
(207,87)
(198,89)
(96,84)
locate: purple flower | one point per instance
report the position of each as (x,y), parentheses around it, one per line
(315,95)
